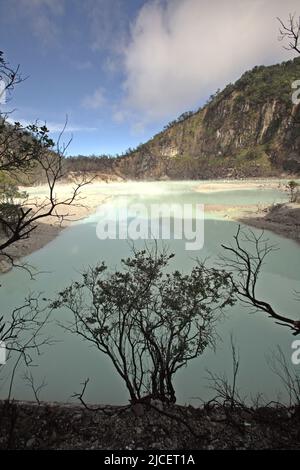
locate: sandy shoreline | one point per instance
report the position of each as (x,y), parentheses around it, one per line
(238,185)
(49,227)
(282,219)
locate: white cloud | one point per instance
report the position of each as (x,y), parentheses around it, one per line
(181,51)
(108,23)
(119,116)
(41,16)
(95,100)
(55,127)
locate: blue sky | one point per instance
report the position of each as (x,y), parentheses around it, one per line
(121,69)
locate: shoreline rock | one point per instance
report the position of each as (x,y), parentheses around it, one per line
(282,219)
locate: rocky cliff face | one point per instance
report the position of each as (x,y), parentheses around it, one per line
(251,128)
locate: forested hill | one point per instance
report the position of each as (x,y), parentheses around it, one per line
(251,128)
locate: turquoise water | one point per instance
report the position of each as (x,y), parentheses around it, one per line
(67,363)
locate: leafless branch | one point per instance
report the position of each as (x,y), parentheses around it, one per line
(22,333)
(103,409)
(290,32)
(244,263)
(289,378)
(36,389)
(19,220)
(227,393)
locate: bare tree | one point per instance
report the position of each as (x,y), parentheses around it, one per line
(244,263)
(227,392)
(148,322)
(23,334)
(36,388)
(9,75)
(19,219)
(290,32)
(28,154)
(289,378)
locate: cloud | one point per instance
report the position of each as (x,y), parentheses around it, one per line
(108,23)
(41,17)
(55,127)
(110,65)
(180,51)
(119,116)
(94,101)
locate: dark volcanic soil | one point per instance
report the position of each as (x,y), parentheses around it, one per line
(58,426)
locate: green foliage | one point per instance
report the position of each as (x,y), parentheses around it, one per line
(9,191)
(293,189)
(253,116)
(213,97)
(89,164)
(24,150)
(262,83)
(10,198)
(183,117)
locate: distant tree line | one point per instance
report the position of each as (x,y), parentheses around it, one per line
(89,164)
(181,118)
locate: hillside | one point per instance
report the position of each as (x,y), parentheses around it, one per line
(249,129)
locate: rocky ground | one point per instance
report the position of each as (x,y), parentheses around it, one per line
(283,219)
(25,425)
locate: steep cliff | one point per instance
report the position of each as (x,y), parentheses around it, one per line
(251,128)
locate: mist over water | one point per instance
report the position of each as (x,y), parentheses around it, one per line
(67,363)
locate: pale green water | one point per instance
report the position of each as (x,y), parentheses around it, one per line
(66,364)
